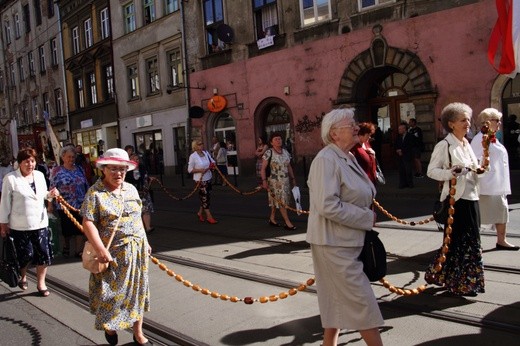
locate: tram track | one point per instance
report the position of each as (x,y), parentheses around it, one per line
(161,334)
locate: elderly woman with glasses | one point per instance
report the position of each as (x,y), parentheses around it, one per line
(120,295)
(200,165)
(495,185)
(72,183)
(340,195)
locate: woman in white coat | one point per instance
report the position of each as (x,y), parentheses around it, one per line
(495,185)
(23,215)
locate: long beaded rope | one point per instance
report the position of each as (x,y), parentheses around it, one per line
(486,139)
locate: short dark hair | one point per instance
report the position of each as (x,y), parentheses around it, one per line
(365,128)
(274,135)
(26,153)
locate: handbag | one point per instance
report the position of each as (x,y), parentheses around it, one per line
(379,175)
(268,167)
(9,268)
(373,256)
(440,208)
(89,258)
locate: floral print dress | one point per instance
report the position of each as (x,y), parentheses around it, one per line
(279,181)
(119,296)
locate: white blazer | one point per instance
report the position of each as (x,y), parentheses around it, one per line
(20,207)
(341,197)
(496,182)
(439,167)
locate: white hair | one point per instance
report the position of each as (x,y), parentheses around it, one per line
(332,118)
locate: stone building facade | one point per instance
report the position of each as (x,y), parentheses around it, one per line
(89,74)
(31,76)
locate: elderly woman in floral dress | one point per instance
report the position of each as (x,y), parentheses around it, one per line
(120,295)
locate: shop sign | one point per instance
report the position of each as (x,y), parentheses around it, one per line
(265,42)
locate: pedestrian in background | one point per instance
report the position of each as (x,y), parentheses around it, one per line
(139,178)
(261,147)
(280,180)
(120,295)
(222,163)
(418,146)
(363,152)
(5,167)
(463,272)
(495,184)
(404,149)
(72,183)
(200,165)
(23,215)
(83,162)
(340,196)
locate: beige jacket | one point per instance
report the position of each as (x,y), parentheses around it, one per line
(341,197)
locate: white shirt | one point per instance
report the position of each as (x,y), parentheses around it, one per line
(197,162)
(496,182)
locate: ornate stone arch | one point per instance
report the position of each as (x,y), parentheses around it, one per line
(381,57)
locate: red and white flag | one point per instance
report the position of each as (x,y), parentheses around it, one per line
(504,43)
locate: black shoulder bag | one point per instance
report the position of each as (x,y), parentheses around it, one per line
(440,208)
(373,256)
(268,167)
(9,268)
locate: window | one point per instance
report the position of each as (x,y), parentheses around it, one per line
(129,11)
(27,18)
(80,97)
(7,29)
(213,17)
(46,103)
(2,81)
(171,6)
(25,113)
(363,4)
(152,71)
(314,11)
(12,75)
(133,82)
(35,110)
(21,69)
(32,67)
(92,88)
(175,62)
(75,40)
(58,101)
(105,23)
(54,51)
(109,82)
(50,8)
(148,11)
(17,29)
(38,12)
(43,65)
(87,25)
(266,18)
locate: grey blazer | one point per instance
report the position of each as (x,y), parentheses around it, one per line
(341,197)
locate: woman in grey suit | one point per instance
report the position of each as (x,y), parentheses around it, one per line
(341,212)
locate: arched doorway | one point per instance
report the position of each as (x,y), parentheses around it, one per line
(273,115)
(225,131)
(387,86)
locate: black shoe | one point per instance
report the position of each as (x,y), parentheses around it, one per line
(419,175)
(150,230)
(289,228)
(274,224)
(147,343)
(111,339)
(510,248)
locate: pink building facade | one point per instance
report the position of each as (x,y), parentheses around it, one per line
(390,72)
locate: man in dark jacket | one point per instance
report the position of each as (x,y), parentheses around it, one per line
(404,148)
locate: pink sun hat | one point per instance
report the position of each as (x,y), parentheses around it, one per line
(117,157)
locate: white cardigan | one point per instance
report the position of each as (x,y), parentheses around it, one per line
(20,207)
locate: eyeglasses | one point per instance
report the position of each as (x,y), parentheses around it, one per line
(347,126)
(494,120)
(117,169)
(200,143)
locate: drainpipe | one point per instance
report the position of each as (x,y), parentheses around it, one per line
(187,82)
